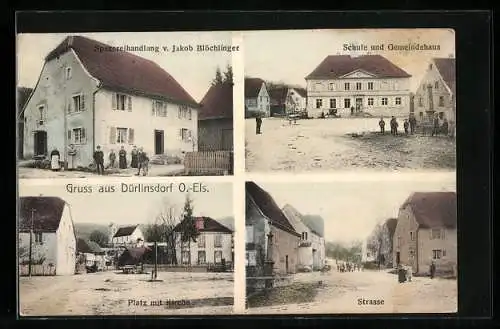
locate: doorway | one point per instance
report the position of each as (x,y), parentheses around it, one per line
(398,255)
(159,142)
(40,143)
(286,264)
(359,104)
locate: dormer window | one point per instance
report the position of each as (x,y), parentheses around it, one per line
(68,73)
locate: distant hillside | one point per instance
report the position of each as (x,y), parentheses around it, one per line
(227,222)
(83,230)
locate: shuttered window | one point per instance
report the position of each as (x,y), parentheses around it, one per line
(131,135)
(120,102)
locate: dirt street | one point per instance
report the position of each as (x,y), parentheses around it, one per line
(113,293)
(317,145)
(338,293)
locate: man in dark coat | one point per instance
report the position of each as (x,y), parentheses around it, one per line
(413,123)
(133,153)
(99,160)
(444,127)
(112,159)
(258,122)
(122,158)
(381,124)
(435,129)
(406,125)
(394,126)
(432,269)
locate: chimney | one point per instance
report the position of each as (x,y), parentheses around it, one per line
(199,223)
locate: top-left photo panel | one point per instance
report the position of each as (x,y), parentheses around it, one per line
(125,104)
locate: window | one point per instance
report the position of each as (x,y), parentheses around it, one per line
(333,103)
(77,136)
(218,241)
(384,101)
(347,103)
(412,236)
(441,100)
(346,86)
(331,86)
(304,236)
(436,254)
(358,85)
(202,258)
(436,233)
(185,112)
(121,102)
(249,233)
(185,134)
(436,85)
(38,237)
(121,134)
(159,108)
(78,103)
(420,101)
(218,256)
(421,115)
(319,103)
(370,101)
(185,257)
(398,100)
(201,241)
(41,111)
(68,73)
(370,85)
(443,253)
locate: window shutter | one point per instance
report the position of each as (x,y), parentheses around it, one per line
(129,103)
(113,102)
(84,136)
(131,135)
(179,113)
(112,135)
(153,103)
(190,114)
(82,102)
(69,135)
(165,108)
(180,133)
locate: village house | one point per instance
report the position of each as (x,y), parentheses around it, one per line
(110,99)
(23,94)
(286,99)
(213,246)
(426,231)
(368,83)
(270,238)
(53,241)
(215,119)
(126,235)
(256,98)
(387,238)
(311,252)
(91,254)
(436,92)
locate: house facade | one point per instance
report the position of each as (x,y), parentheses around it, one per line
(269,235)
(311,251)
(53,240)
(257,99)
(127,235)
(215,119)
(296,100)
(369,83)
(285,100)
(213,246)
(111,99)
(426,231)
(23,94)
(436,92)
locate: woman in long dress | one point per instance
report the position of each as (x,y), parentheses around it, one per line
(122,158)
(55,157)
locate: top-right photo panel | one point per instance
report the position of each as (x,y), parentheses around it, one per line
(322,101)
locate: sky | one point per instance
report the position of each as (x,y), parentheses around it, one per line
(290,56)
(134,208)
(351,209)
(194,71)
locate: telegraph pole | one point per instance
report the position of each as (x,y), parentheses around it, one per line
(31,240)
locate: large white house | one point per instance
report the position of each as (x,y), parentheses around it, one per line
(256,98)
(126,235)
(87,95)
(343,84)
(53,240)
(213,246)
(312,243)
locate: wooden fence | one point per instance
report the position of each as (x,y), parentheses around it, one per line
(37,270)
(216,163)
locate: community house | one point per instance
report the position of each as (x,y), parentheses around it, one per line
(109,99)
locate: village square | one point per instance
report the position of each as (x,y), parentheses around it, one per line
(353,110)
(341,255)
(86,113)
(87,256)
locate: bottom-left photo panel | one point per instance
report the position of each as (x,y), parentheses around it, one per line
(119,248)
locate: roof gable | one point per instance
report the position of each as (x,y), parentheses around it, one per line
(433,209)
(358,74)
(336,66)
(47,213)
(315,223)
(124,71)
(301,91)
(87,246)
(217,102)
(447,69)
(125,231)
(253,86)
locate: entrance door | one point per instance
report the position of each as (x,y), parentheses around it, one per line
(286,263)
(40,143)
(159,141)
(315,259)
(398,260)
(359,104)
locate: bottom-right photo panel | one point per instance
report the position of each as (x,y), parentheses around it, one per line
(371,246)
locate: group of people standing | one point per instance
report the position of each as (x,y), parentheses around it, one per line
(139,160)
(409,125)
(348,267)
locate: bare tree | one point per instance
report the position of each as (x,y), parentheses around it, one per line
(375,241)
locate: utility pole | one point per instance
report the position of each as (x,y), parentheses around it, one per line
(31,240)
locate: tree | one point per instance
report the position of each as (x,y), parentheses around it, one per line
(375,241)
(218,77)
(99,237)
(228,75)
(189,232)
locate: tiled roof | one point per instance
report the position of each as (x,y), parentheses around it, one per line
(209,225)
(217,102)
(433,209)
(269,208)
(336,66)
(125,231)
(86,246)
(124,71)
(315,223)
(446,67)
(46,216)
(252,87)
(278,95)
